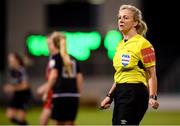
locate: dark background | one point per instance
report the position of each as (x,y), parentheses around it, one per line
(3,34)
(79,15)
(161,17)
(163,22)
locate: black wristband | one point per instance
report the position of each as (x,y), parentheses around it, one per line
(153,97)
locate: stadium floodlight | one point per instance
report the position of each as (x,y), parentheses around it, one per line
(111,41)
(79,44)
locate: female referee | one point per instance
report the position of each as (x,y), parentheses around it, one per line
(19,88)
(135,77)
(65,80)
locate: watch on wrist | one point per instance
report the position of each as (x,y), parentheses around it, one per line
(153,97)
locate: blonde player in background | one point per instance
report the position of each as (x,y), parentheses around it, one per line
(64,79)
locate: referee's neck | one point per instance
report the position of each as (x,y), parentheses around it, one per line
(129,34)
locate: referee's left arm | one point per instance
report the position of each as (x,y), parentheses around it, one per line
(152,80)
(152,83)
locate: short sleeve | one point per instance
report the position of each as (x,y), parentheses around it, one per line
(147,54)
(54,63)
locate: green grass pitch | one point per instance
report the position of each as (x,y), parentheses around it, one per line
(90,116)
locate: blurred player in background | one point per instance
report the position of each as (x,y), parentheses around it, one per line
(135,77)
(19,90)
(64,80)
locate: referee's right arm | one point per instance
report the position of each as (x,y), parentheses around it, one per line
(107,100)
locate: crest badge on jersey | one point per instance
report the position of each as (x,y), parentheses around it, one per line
(125,59)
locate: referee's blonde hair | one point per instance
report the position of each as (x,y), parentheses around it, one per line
(141,27)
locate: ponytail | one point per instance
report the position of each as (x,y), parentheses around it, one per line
(59,41)
(141,28)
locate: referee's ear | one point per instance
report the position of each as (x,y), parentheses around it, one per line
(135,24)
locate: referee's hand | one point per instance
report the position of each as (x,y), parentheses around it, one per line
(106,103)
(153,103)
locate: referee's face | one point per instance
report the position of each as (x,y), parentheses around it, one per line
(126,20)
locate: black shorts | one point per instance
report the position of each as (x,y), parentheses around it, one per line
(130,103)
(65,108)
(20,100)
